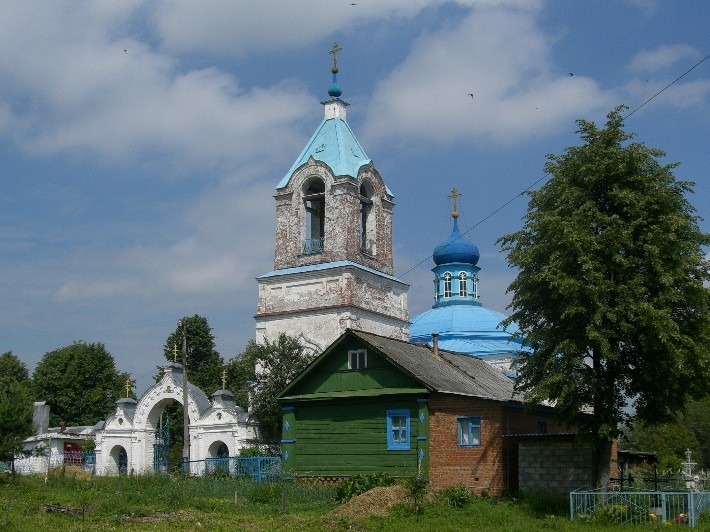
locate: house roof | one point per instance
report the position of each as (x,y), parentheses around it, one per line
(444,372)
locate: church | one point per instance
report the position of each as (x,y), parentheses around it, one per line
(333,264)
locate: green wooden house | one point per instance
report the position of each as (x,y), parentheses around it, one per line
(370,404)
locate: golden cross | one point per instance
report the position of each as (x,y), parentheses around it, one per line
(224,379)
(129,385)
(174,352)
(454,197)
(335,51)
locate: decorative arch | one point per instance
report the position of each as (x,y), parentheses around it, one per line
(119,459)
(218,449)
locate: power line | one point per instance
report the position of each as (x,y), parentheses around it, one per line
(669,85)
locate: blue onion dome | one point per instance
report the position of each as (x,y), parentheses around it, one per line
(334,89)
(456,248)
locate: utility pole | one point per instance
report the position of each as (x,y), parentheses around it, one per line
(185,418)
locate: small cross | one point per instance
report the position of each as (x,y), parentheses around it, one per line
(454,197)
(335,51)
(224,379)
(174,352)
(129,385)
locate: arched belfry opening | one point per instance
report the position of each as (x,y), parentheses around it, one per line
(314,205)
(368,223)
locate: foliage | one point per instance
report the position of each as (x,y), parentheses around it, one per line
(355,485)
(696,418)
(241,375)
(610,293)
(250,452)
(279,362)
(454,496)
(668,440)
(204,363)
(417,487)
(15,420)
(12,369)
(79,382)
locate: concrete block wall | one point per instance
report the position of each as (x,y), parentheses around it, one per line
(553,467)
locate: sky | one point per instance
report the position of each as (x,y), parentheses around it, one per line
(141,141)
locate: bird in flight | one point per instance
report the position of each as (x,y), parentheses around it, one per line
(470,94)
(571,74)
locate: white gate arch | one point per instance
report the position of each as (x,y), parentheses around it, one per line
(133,425)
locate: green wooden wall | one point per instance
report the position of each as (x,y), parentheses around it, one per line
(348,437)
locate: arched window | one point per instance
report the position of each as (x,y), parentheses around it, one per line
(475,286)
(463,282)
(436,287)
(314,199)
(367,222)
(447,284)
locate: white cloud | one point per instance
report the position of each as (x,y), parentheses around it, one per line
(503,59)
(86,89)
(663,57)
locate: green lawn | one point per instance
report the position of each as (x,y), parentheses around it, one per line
(175,503)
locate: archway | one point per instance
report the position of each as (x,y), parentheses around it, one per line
(218,458)
(119,458)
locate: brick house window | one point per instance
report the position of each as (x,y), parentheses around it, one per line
(469,431)
(357,359)
(397,430)
(542,427)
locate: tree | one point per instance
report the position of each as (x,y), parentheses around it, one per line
(12,369)
(79,382)
(241,375)
(15,420)
(668,440)
(610,291)
(204,363)
(278,364)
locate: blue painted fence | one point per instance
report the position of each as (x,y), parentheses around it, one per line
(259,468)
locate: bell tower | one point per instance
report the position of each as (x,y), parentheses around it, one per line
(333,265)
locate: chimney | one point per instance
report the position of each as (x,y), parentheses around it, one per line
(435,344)
(62,426)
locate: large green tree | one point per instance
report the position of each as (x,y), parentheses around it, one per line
(277,362)
(12,369)
(610,291)
(80,383)
(204,363)
(15,420)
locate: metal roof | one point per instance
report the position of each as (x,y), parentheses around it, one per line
(445,372)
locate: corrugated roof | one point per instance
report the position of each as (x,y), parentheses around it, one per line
(448,372)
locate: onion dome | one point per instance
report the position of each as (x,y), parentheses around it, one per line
(456,248)
(334,89)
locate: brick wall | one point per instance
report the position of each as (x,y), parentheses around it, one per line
(483,468)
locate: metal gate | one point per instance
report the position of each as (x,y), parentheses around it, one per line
(161,448)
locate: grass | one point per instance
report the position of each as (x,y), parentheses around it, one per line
(213,503)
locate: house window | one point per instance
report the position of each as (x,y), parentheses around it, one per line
(463,280)
(447,284)
(357,359)
(397,430)
(469,431)
(542,427)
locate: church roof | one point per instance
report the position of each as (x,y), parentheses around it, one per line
(470,329)
(456,249)
(334,144)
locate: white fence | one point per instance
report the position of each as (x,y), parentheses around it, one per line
(639,506)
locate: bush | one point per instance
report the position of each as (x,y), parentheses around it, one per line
(454,496)
(357,484)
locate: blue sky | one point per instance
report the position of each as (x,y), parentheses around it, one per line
(141,142)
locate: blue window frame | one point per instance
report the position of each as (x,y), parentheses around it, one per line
(469,431)
(397,430)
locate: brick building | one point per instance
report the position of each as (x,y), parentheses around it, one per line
(372,404)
